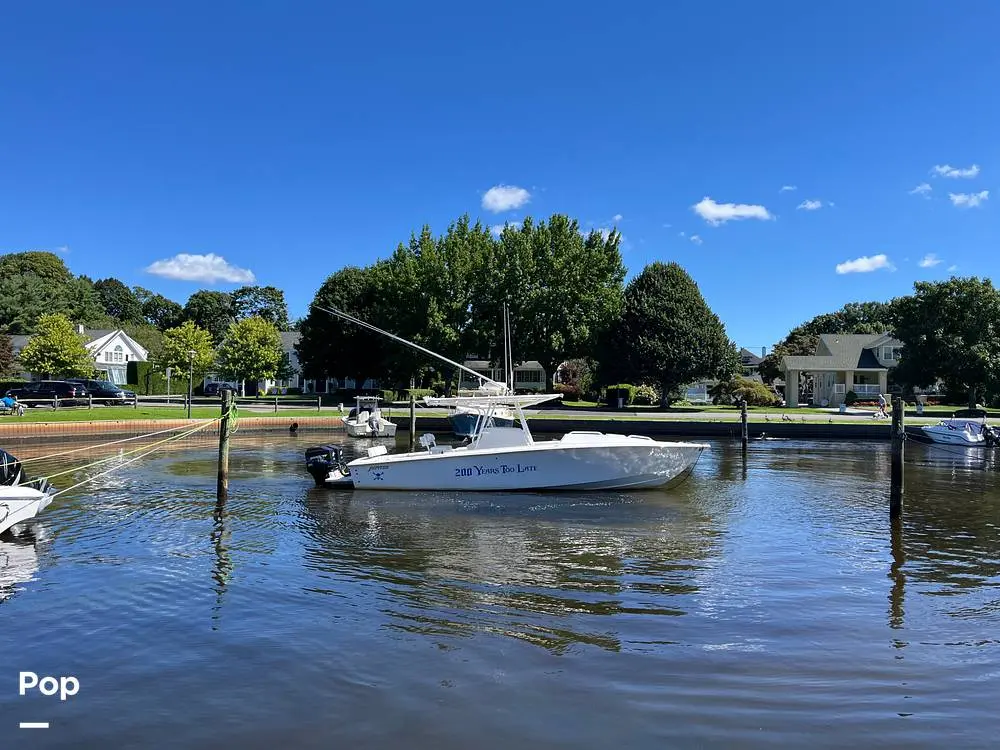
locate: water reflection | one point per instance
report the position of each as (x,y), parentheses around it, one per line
(19,553)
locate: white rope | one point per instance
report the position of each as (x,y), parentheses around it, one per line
(104,445)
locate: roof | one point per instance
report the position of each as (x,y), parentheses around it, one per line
(749,358)
(289,339)
(842,351)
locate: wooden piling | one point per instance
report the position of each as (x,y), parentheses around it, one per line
(896,475)
(413,420)
(275,404)
(744,431)
(222,488)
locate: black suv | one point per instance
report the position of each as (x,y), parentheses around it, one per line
(48,390)
(102,391)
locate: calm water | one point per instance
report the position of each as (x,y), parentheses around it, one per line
(775,609)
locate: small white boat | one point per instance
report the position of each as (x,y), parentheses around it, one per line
(20,500)
(366,420)
(973,433)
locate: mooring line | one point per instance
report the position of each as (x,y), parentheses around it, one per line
(113,442)
(126,453)
(131,460)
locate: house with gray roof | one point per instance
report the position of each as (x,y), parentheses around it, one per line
(112,351)
(844,362)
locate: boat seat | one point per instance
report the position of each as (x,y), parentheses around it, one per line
(363,417)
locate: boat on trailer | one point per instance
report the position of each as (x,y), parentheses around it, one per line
(508,458)
(21,499)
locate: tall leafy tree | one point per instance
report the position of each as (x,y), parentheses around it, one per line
(57,350)
(251,351)
(7,359)
(118,300)
(951,331)
(45,265)
(267,302)
(175,351)
(212,311)
(83,304)
(25,298)
(668,336)
(329,346)
(564,289)
(157,310)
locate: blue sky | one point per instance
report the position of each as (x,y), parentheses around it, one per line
(290,139)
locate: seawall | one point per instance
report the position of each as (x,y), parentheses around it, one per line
(439,425)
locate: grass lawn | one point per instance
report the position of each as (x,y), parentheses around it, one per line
(110,413)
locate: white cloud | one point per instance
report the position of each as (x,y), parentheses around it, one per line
(505,198)
(617,217)
(810,205)
(969,200)
(929,261)
(788,188)
(667,226)
(952,268)
(497,229)
(696,239)
(719,213)
(682,234)
(866,264)
(922,189)
(207,268)
(946,170)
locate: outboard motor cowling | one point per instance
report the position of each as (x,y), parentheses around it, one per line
(322,459)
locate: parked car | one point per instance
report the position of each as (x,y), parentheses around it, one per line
(102,391)
(43,392)
(215,389)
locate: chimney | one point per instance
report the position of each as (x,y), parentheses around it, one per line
(763,351)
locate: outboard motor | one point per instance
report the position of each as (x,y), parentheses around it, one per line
(322,459)
(990,435)
(12,474)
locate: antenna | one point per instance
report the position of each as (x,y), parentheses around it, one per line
(341,314)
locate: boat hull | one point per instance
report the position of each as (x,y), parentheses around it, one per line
(953,437)
(551,465)
(19,504)
(385,429)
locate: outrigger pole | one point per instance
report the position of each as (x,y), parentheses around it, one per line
(341,314)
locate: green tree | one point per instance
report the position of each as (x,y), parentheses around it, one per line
(157,310)
(45,265)
(118,301)
(7,359)
(83,305)
(251,351)
(212,311)
(331,347)
(667,334)
(175,351)
(950,331)
(57,350)
(267,302)
(564,290)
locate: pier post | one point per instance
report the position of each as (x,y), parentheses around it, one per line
(275,404)
(744,432)
(896,475)
(222,488)
(319,403)
(413,420)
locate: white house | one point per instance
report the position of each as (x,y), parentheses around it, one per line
(528,376)
(844,362)
(112,351)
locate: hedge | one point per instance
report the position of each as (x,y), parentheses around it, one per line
(150,381)
(621,390)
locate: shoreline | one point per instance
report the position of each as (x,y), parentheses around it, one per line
(687,428)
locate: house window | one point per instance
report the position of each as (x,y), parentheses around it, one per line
(118,353)
(891,353)
(839,387)
(528,376)
(108,357)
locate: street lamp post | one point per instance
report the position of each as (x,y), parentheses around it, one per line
(191,354)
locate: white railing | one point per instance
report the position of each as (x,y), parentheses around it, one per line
(867,390)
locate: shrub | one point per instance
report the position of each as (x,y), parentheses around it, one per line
(620,391)
(646,395)
(418,393)
(387,396)
(850,398)
(738,389)
(571,391)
